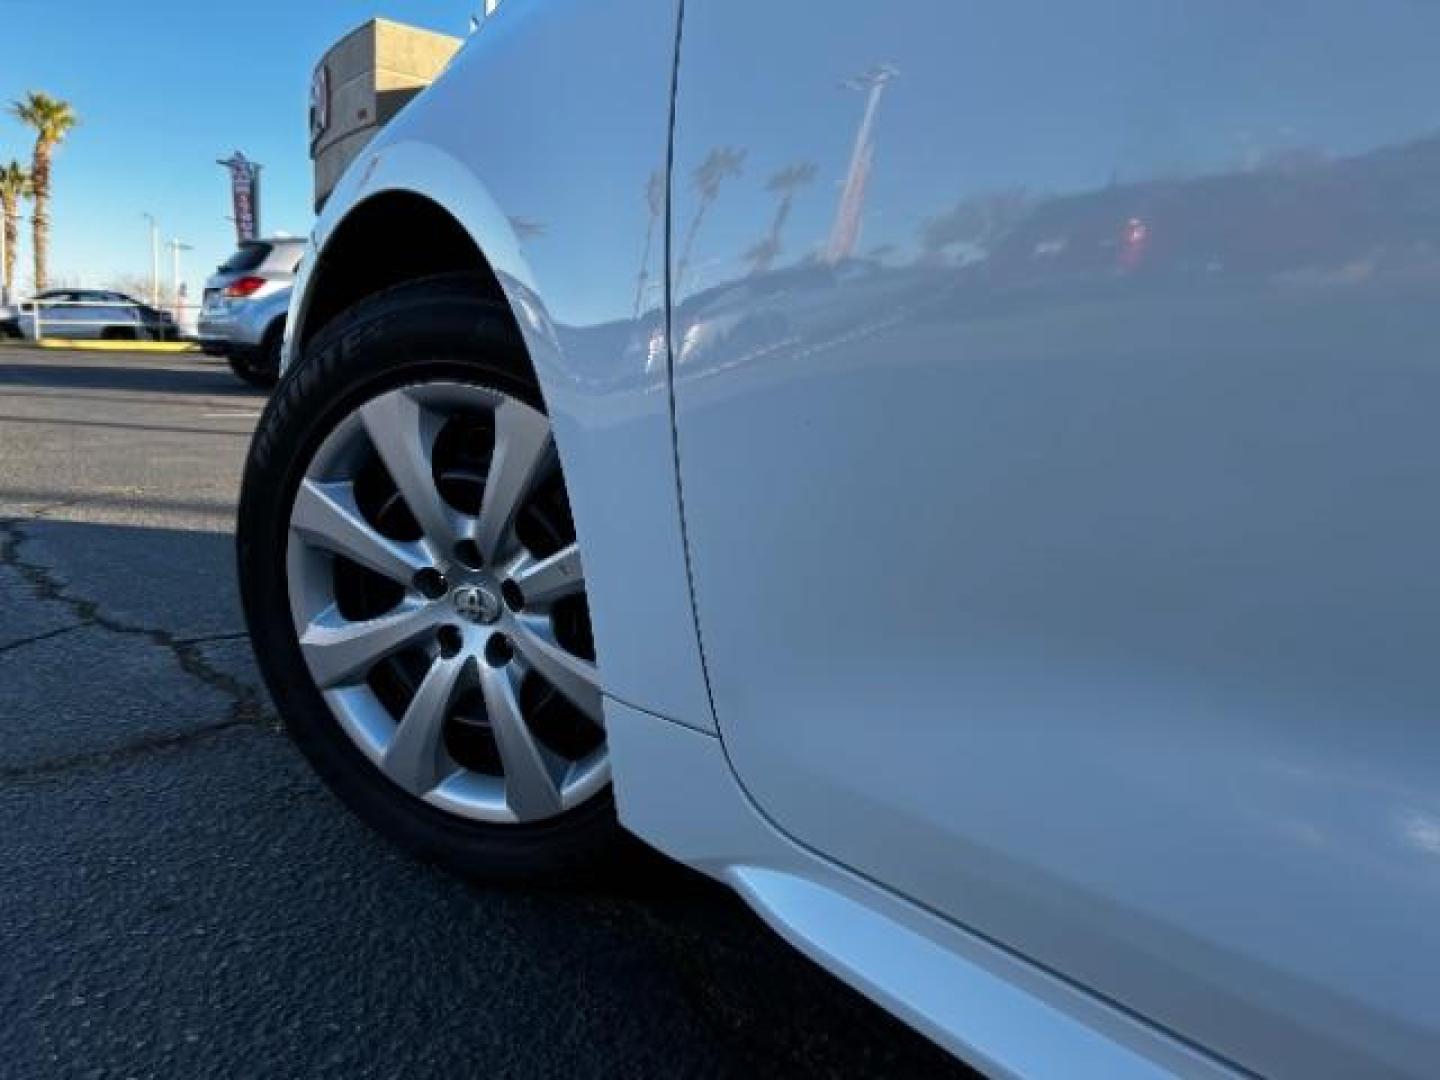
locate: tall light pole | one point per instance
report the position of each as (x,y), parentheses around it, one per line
(154,259)
(176,247)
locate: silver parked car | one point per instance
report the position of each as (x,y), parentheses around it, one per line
(242,316)
(87,315)
(962,474)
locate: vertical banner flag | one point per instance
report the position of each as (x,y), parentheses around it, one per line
(245,192)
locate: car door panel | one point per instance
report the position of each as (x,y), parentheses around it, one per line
(101,312)
(1054,396)
(58,315)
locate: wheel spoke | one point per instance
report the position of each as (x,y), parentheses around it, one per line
(416,757)
(340,651)
(326,516)
(522,448)
(578,680)
(547,580)
(531,789)
(403,434)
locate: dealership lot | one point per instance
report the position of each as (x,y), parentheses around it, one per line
(183,898)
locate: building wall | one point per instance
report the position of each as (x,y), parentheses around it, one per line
(369,75)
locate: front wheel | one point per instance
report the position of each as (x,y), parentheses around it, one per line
(414,591)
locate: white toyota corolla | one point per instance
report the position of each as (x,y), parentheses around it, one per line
(964,474)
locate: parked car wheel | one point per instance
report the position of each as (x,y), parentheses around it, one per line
(118,333)
(413,589)
(260,367)
(250,368)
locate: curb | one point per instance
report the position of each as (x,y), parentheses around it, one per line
(90,345)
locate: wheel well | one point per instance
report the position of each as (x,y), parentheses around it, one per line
(387,240)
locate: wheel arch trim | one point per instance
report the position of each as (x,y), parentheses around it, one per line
(392,169)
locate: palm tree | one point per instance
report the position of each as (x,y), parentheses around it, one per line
(784,184)
(14,186)
(655,192)
(719,165)
(52,120)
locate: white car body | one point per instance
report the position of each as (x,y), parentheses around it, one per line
(1029,605)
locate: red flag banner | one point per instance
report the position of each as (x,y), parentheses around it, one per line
(245,193)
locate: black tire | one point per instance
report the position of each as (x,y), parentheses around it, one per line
(118,333)
(270,349)
(253,370)
(439,329)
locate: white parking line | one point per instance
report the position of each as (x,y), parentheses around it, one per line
(232,415)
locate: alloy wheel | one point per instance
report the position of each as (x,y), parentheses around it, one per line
(438,596)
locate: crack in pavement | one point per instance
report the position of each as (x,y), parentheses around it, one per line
(246,705)
(139,748)
(211,639)
(36,638)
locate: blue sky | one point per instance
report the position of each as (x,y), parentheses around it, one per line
(164,88)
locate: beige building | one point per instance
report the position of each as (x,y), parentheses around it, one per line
(360,84)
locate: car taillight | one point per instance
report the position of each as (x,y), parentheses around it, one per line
(246,286)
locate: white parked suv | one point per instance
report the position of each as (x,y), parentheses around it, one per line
(963,474)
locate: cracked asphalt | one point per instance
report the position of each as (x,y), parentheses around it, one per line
(179,897)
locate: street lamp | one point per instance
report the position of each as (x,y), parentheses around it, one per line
(176,247)
(154,259)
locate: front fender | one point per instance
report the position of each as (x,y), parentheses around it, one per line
(415,168)
(565,244)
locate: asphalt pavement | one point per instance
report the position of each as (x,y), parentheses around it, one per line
(180,897)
